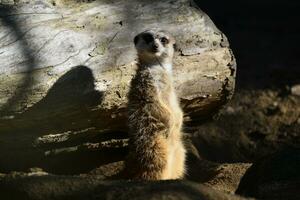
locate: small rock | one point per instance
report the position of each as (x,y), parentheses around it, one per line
(295,90)
(8,117)
(35,169)
(230,110)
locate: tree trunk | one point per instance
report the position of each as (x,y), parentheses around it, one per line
(65,72)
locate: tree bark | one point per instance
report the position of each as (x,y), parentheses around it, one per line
(66,67)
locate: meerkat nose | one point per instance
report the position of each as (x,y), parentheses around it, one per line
(155,45)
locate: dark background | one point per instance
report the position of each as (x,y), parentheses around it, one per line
(265,38)
(264,114)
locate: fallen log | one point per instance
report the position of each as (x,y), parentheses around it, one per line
(66,67)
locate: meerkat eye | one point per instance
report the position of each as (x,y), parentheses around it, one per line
(148,38)
(164,40)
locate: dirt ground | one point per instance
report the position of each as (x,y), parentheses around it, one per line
(254,124)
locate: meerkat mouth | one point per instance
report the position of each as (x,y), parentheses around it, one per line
(154,50)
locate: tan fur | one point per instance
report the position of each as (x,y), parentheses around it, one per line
(156,150)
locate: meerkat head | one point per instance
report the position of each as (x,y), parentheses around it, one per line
(152,45)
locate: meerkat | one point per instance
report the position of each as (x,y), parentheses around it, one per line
(156,149)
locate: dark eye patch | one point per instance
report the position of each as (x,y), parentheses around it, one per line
(164,40)
(148,38)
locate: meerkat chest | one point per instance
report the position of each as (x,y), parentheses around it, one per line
(161,80)
(166,92)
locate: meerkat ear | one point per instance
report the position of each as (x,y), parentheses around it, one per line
(136,39)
